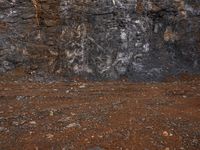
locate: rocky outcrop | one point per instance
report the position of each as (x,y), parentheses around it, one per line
(139,39)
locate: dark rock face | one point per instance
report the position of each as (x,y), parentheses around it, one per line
(101,39)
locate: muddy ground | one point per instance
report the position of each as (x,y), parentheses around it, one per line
(99,115)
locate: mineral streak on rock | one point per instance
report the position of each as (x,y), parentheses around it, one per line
(101,39)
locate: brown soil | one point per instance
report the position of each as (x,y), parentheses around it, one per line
(100,115)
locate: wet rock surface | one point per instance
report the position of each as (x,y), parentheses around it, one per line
(141,40)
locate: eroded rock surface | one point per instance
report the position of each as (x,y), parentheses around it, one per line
(139,39)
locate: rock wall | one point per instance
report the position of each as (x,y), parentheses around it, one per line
(101,39)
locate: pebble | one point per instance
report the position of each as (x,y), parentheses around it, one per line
(19,98)
(73,114)
(82,86)
(2,129)
(71,125)
(49,136)
(51,113)
(165,133)
(184,96)
(195,141)
(32,123)
(15,123)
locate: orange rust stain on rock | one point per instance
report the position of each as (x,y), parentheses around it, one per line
(37,6)
(139,7)
(169,35)
(3,26)
(180,4)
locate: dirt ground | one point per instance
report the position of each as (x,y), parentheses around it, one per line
(115,115)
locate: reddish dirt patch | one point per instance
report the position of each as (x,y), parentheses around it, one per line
(100,115)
